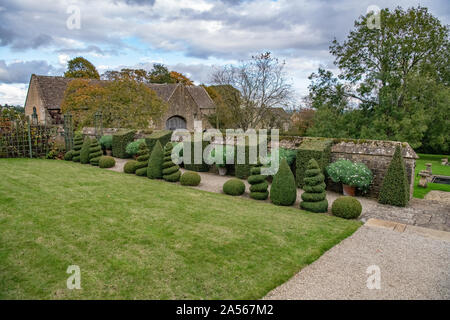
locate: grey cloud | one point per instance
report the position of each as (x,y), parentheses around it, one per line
(20,72)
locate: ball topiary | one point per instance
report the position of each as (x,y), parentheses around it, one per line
(283,191)
(130,166)
(190,178)
(68,156)
(395,187)
(142,160)
(77,144)
(95,152)
(171,172)
(154,169)
(259,185)
(84,152)
(234,187)
(106,162)
(315,197)
(346,207)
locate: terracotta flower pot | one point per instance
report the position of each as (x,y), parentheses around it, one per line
(348,190)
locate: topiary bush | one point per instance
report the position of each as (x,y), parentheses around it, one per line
(312,148)
(106,142)
(315,197)
(155,163)
(171,172)
(162,136)
(234,187)
(259,185)
(283,191)
(95,152)
(84,152)
(201,167)
(130,166)
(346,207)
(77,144)
(395,187)
(120,141)
(190,178)
(106,162)
(133,147)
(69,155)
(142,160)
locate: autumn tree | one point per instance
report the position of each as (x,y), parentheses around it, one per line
(160,74)
(180,78)
(227,101)
(79,67)
(138,75)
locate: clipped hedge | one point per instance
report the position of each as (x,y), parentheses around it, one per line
(171,171)
(259,185)
(155,163)
(346,207)
(315,197)
(95,152)
(77,144)
(201,167)
(142,160)
(120,141)
(162,136)
(106,162)
(106,142)
(190,178)
(395,187)
(312,148)
(68,155)
(130,166)
(234,187)
(84,152)
(283,191)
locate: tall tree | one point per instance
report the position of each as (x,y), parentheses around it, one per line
(160,74)
(79,67)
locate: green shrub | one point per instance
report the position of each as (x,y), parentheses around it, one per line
(130,166)
(346,207)
(283,191)
(154,169)
(201,167)
(142,160)
(352,174)
(315,197)
(106,142)
(120,141)
(190,178)
(259,185)
(162,136)
(77,144)
(95,152)
(106,162)
(84,152)
(395,187)
(68,156)
(133,147)
(234,187)
(171,171)
(288,154)
(312,148)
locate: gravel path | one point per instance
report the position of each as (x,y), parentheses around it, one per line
(412,266)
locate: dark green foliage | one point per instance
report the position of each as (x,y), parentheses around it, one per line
(133,147)
(130,166)
(162,136)
(142,160)
(171,171)
(77,144)
(315,197)
(242,171)
(155,163)
(84,152)
(259,185)
(106,162)
(346,207)
(395,188)
(318,149)
(234,187)
(106,142)
(190,178)
(95,152)
(68,156)
(201,167)
(120,141)
(283,191)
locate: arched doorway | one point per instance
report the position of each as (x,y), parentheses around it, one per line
(175,122)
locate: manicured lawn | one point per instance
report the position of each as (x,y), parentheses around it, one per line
(135,238)
(436,168)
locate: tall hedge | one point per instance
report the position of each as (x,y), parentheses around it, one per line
(155,163)
(77,144)
(142,160)
(95,152)
(283,191)
(395,187)
(84,152)
(162,136)
(312,148)
(171,171)
(201,167)
(120,141)
(315,197)
(258,182)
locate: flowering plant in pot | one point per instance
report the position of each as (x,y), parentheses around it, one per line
(352,176)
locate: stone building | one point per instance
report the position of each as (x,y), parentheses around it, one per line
(186,103)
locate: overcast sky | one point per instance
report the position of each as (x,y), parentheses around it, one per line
(189,36)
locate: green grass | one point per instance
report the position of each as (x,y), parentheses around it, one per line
(436,168)
(135,238)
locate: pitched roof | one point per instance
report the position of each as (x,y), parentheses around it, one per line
(201,97)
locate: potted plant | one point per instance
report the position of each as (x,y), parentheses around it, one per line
(222,167)
(106,144)
(352,176)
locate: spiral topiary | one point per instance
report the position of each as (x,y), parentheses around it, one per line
(84,152)
(283,191)
(155,163)
(77,144)
(142,160)
(95,152)
(171,172)
(315,197)
(259,185)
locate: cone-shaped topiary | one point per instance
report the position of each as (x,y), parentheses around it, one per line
(259,185)
(155,163)
(142,158)
(395,188)
(171,172)
(315,197)
(84,152)
(283,191)
(95,152)
(77,144)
